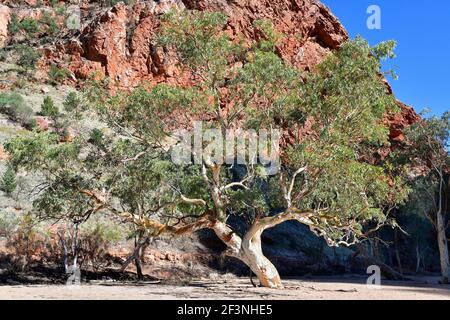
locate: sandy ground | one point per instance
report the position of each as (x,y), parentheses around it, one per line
(299,289)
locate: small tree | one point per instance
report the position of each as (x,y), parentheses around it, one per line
(28,57)
(57,75)
(72,103)
(15,107)
(430,149)
(9,183)
(48,108)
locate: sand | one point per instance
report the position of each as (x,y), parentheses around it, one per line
(330,288)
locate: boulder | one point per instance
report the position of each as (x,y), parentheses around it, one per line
(5,17)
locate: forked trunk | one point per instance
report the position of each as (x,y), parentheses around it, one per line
(262,267)
(249,251)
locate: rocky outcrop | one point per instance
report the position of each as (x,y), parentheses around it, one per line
(5,17)
(398,122)
(310,29)
(122,39)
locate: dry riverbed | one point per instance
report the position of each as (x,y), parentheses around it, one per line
(353,287)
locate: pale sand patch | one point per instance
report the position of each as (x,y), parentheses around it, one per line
(310,289)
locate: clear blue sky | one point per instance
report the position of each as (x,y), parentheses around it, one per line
(422,31)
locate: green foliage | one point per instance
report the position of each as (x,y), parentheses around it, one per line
(14,24)
(96,137)
(341,104)
(28,57)
(50,27)
(15,107)
(30,26)
(111,3)
(8,224)
(60,10)
(56,75)
(3,55)
(9,183)
(429,142)
(72,103)
(431,139)
(268,34)
(39,3)
(48,108)
(201,45)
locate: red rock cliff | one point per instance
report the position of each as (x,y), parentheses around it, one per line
(120,42)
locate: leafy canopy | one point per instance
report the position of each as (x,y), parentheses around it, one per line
(338,107)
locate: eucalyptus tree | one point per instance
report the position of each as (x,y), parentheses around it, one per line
(328,176)
(430,143)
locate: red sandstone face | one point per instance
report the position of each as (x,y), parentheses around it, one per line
(122,39)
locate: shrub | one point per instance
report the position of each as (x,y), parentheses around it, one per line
(27,242)
(72,102)
(51,27)
(48,108)
(28,57)
(3,55)
(8,224)
(15,107)
(56,75)
(20,83)
(60,10)
(110,3)
(30,26)
(9,183)
(96,137)
(95,241)
(14,24)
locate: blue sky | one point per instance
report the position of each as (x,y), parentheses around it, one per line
(422,32)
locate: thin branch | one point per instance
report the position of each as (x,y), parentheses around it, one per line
(291,186)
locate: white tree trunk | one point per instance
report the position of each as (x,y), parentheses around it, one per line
(258,263)
(443,248)
(249,251)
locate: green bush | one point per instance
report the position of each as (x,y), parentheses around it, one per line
(96,239)
(57,75)
(30,26)
(9,223)
(15,107)
(3,55)
(72,102)
(60,10)
(14,24)
(9,182)
(28,57)
(96,137)
(48,108)
(49,23)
